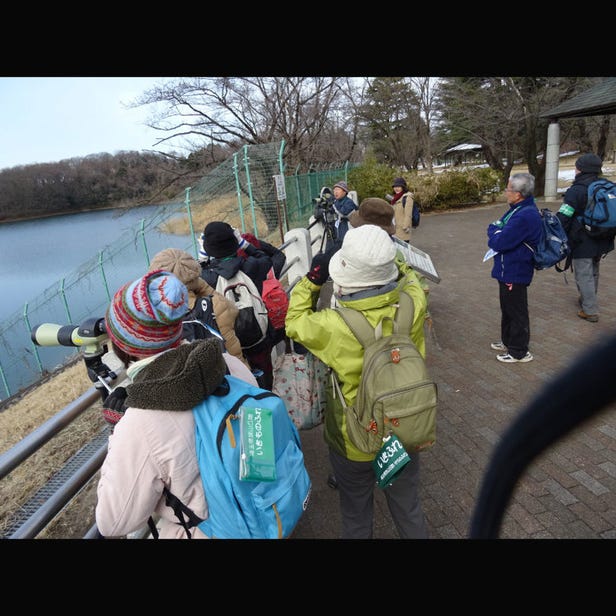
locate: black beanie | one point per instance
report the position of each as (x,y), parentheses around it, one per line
(589,163)
(399,182)
(219,240)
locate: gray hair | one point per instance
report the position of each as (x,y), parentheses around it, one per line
(524,183)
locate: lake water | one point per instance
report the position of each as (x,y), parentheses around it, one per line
(36,254)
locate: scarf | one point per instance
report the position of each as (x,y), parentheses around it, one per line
(397,197)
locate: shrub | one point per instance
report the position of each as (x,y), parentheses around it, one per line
(436,191)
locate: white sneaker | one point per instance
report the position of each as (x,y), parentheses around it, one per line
(498,346)
(508,359)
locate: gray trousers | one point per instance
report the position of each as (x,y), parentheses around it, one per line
(587,280)
(356,485)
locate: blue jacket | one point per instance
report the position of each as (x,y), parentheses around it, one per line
(508,237)
(343,207)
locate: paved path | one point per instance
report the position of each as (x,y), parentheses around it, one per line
(569,491)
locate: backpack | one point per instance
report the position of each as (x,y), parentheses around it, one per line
(251,324)
(396,394)
(416,215)
(276,300)
(599,216)
(200,322)
(265,508)
(553,246)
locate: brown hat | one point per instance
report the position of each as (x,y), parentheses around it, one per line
(374,211)
(183,265)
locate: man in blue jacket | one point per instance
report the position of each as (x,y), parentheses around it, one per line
(513,238)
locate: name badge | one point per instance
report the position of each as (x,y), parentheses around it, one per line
(389,461)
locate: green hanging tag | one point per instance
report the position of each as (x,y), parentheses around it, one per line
(389,461)
(257,458)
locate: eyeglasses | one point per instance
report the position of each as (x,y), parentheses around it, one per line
(511,190)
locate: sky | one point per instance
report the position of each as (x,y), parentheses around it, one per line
(48,119)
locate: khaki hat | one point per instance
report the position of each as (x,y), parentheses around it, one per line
(374,211)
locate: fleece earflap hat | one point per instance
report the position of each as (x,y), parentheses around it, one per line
(366,259)
(374,211)
(589,163)
(219,240)
(342,185)
(145,316)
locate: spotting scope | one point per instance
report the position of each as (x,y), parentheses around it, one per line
(91,335)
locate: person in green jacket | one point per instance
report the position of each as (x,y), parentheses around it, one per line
(365,275)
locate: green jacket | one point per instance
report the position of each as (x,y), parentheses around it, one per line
(327,336)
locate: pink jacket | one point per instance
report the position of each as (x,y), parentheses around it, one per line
(150,449)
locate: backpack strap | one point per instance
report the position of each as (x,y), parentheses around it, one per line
(365,333)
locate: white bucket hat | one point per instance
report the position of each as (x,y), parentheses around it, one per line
(366,259)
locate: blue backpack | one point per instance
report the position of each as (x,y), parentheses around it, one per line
(416,214)
(599,217)
(553,246)
(240,509)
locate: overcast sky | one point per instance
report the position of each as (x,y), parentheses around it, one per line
(47,119)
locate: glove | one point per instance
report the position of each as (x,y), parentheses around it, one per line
(319,268)
(242,243)
(114,407)
(203,256)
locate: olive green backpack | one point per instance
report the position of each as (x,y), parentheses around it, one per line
(396,394)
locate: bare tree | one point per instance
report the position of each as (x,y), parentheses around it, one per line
(199,112)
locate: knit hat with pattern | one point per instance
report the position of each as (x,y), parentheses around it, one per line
(342,185)
(145,316)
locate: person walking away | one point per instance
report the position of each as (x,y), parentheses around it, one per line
(152,445)
(512,239)
(221,243)
(188,270)
(365,277)
(587,251)
(343,206)
(402,202)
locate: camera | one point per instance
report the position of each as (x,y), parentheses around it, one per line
(323,207)
(91,334)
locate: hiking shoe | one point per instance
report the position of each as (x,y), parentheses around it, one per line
(508,359)
(498,346)
(592,318)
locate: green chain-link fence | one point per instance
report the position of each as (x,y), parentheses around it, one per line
(245,181)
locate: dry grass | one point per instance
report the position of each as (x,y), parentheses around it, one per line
(23,416)
(223,208)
